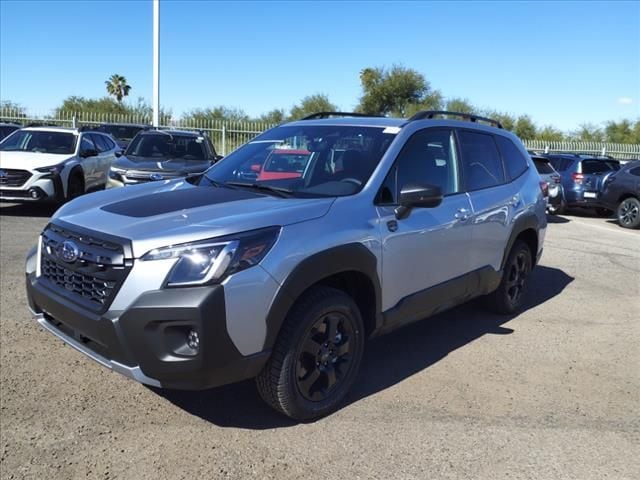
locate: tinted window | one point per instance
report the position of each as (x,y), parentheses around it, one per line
(561,164)
(635,171)
(514,160)
(595,166)
(86,144)
(121,132)
(165,146)
(481,160)
(543,166)
(99,142)
(110,143)
(40,141)
(429,157)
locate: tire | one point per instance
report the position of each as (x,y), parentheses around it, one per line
(508,297)
(603,212)
(628,213)
(75,187)
(296,380)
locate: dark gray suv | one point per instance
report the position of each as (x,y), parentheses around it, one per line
(207,280)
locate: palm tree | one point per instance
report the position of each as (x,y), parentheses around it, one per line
(117,87)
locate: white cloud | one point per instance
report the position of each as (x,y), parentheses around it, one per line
(625,100)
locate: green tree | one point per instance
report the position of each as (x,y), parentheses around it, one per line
(397,91)
(105,105)
(588,132)
(312,104)
(117,87)
(525,128)
(620,132)
(203,116)
(550,133)
(461,105)
(277,115)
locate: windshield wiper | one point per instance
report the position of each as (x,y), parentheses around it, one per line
(279,191)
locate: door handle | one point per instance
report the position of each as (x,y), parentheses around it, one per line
(462,214)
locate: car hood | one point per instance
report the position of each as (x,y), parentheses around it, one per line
(165,213)
(30,160)
(173,166)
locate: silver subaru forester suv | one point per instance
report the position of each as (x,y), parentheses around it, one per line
(372,224)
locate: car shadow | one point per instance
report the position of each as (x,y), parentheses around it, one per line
(557,219)
(388,360)
(28,210)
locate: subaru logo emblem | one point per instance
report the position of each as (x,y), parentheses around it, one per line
(3,174)
(69,252)
(156,176)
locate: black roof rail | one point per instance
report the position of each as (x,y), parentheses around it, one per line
(321,115)
(467,116)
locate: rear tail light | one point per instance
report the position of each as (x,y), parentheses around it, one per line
(577,178)
(544,187)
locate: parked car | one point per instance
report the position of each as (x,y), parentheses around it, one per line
(163,154)
(210,280)
(8,128)
(284,163)
(582,176)
(621,193)
(555,198)
(53,164)
(123,133)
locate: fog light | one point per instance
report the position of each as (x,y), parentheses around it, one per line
(193,340)
(34,193)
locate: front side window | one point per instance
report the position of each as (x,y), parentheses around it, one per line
(99,142)
(87,144)
(166,146)
(306,160)
(428,158)
(62,143)
(481,161)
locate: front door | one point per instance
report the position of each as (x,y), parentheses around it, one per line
(431,245)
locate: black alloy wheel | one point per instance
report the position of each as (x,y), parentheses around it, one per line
(325,356)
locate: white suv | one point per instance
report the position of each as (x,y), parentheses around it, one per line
(54,164)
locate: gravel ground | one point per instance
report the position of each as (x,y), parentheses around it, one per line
(553,393)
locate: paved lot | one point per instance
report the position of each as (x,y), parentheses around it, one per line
(553,393)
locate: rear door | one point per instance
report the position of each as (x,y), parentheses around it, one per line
(106,156)
(89,164)
(431,245)
(495,199)
(594,172)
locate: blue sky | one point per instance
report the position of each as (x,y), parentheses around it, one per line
(564,63)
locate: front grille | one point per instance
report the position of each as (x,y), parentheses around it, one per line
(13,178)
(91,275)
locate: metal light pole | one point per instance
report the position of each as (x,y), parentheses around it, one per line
(156,63)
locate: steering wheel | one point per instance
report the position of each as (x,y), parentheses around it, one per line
(355,181)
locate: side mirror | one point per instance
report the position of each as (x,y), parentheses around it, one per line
(417,196)
(89,153)
(218,158)
(119,153)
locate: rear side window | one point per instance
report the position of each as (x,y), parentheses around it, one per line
(99,142)
(595,166)
(514,161)
(635,171)
(481,161)
(542,166)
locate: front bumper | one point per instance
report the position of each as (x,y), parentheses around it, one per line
(147,342)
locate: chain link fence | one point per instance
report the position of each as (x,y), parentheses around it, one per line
(229,135)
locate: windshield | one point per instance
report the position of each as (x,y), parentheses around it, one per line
(5,130)
(62,143)
(165,146)
(306,160)
(121,132)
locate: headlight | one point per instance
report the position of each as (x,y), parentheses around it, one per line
(115,172)
(209,261)
(52,170)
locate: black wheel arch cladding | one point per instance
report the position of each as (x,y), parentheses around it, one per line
(352,257)
(525,223)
